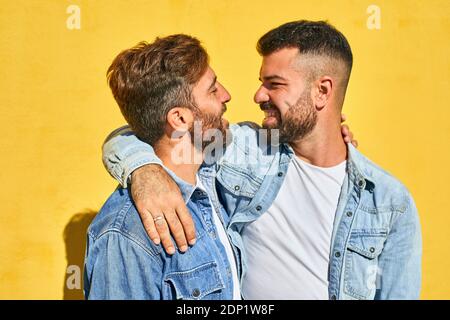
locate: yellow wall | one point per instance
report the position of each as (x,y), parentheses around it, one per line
(56,109)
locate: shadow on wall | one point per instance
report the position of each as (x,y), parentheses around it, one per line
(75,240)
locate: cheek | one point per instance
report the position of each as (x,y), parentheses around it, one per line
(281,106)
(279,98)
(283,101)
(213,110)
(217,106)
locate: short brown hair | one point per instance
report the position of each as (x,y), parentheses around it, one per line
(150,79)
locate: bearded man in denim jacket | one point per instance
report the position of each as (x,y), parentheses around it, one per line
(162,89)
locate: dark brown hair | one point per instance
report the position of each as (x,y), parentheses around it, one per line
(318,38)
(150,79)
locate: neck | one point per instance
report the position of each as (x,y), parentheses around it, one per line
(180,157)
(324,146)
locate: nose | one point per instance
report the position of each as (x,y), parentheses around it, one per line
(226,97)
(261,95)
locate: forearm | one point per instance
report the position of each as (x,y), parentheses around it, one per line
(123,153)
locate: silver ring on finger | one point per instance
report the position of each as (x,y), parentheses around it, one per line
(158,219)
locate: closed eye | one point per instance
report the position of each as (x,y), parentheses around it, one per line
(273,81)
(276,84)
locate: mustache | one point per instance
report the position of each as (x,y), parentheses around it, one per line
(224,108)
(267,106)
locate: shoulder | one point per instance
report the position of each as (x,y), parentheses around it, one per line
(388,192)
(119,216)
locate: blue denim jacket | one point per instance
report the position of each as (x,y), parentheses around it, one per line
(376,243)
(123,263)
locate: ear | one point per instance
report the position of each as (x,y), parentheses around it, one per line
(179,120)
(324,86)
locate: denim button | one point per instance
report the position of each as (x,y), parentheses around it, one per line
(349,214)
(333,297)
(258,208)
(337,254)
(236,188)
(372,249)
(196,293)
(361,183)
(280,174)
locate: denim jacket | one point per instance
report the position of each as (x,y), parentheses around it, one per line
(123,263)
(376,245)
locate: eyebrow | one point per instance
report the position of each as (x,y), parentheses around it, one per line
(274,77)
(213,83)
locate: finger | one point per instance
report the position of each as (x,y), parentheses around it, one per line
(176,229)
(163,229)
(345,131)
(350,135)
(149,225)
(187,222)
(343,117)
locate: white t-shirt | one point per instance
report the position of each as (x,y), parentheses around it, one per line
(288,247)
(226,243)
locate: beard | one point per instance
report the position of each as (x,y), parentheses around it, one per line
(300,119)
(210,127)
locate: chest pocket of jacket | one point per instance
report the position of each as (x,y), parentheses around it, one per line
(202,282)
(361,273)
(238,181)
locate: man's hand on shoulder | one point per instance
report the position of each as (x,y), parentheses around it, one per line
(161,207)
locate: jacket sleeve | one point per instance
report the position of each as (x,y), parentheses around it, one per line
(123,153)
(401,259)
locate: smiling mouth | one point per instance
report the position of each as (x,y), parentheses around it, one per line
(271,113)
(266,106)
(272,118)
(269,110)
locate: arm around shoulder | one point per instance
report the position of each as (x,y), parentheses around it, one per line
(123,153)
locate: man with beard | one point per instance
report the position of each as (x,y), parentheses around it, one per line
(315,219)
(162,89)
